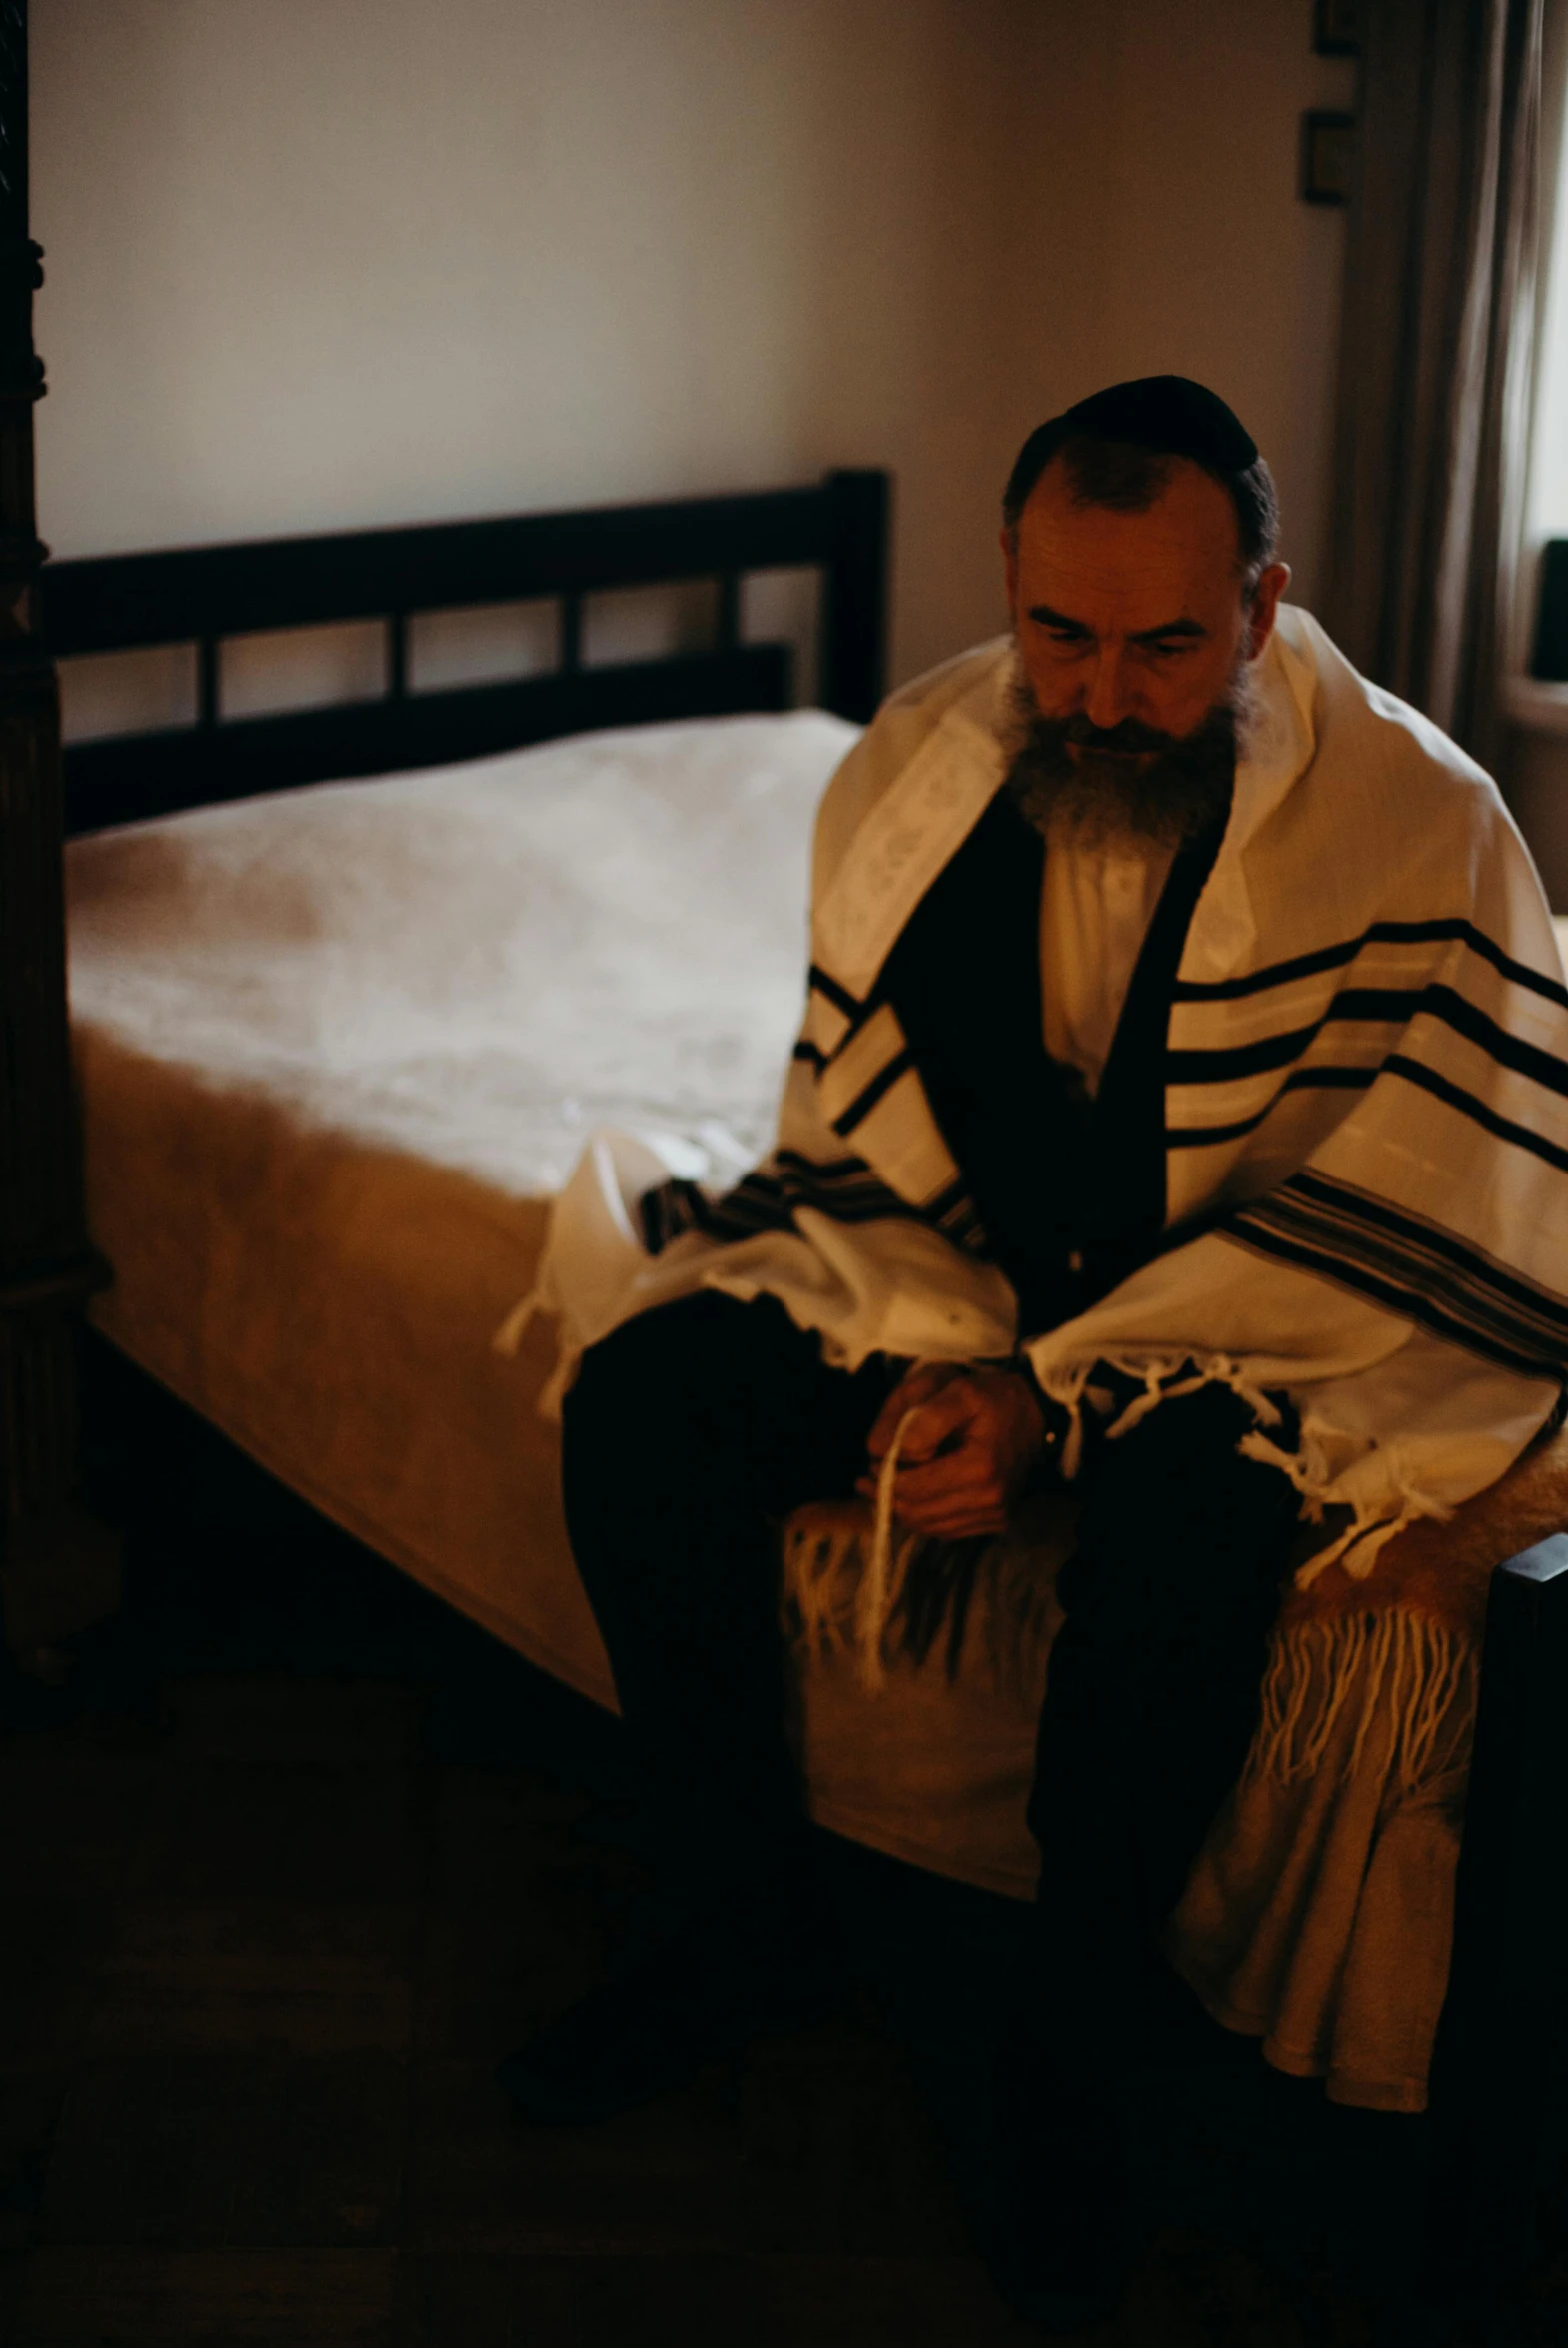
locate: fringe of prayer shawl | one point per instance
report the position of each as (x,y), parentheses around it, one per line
(884,1573)
(1371,1527)
(1413,1679)
(1398,1666)
(507,1342)
(930,1588)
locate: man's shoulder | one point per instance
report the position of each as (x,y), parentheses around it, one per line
(975,673)
(1363,725)
(1409,823)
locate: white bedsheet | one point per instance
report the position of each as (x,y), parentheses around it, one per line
(479,964)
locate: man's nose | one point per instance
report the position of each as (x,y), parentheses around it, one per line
(1107,698)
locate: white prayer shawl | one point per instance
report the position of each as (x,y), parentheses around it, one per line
(1366,1112)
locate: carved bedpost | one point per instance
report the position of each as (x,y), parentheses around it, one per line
(57,1569)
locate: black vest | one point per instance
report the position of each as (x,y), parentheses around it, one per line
(1071,1190)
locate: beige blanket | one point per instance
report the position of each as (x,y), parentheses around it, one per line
(336,1047)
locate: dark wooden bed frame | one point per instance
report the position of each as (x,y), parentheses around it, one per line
(1499,2078)
(201,595)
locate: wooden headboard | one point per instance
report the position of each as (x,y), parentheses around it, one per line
(201,594)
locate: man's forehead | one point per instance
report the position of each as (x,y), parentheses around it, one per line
(1184,545)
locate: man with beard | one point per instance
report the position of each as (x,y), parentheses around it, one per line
(1085,905)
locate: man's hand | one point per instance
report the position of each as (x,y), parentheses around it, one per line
(966,1455)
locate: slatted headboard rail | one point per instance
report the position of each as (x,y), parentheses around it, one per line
(201,595)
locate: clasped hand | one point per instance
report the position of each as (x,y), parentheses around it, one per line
(965,1454)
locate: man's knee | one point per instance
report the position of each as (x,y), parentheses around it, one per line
(683,1388)
(651,1364)
(1180,1529)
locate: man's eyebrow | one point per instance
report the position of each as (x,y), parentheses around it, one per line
(1171,627)
(1048,617)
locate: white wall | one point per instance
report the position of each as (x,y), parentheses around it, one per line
(323,263)
(1168,226)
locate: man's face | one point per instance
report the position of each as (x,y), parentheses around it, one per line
(1134,625)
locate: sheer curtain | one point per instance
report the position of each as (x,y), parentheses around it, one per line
(1436,353)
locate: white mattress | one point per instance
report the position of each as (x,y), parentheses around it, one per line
(479,964)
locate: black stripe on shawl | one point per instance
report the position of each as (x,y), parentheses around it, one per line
(821,1170)
(1380,1005)
(1421,1270)
(1472,1106)
(767,1199)
(1410,1305)
(675,1207)
(1328,958)
(848,1190)
(839,997)
(1358,1080)
(866,1101)
(1305,1079)
(855,1013)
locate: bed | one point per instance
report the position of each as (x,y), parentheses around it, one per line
(339,1048)
(386,1246)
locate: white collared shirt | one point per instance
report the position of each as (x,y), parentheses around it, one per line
(1095,909)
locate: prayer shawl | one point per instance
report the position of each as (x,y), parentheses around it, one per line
(1366,1114)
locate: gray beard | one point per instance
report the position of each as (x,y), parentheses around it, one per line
(1102,800)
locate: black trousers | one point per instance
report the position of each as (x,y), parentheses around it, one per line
(693,1431)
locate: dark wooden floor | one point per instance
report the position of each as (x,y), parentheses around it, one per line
(296,1856)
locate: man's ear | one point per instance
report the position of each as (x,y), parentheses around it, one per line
(1264,607)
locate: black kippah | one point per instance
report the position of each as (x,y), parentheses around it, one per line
(1169,414)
